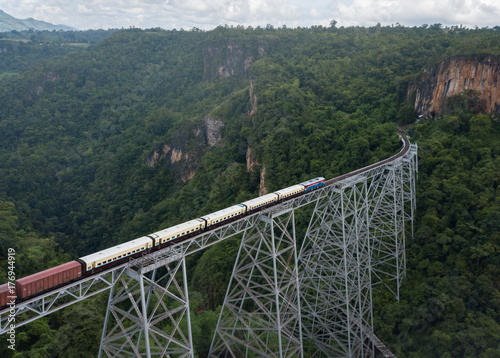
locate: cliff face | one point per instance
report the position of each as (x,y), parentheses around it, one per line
(185,148)
(453,76)
(226,60)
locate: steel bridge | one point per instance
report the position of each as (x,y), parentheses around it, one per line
(288,296)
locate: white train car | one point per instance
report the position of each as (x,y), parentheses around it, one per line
(224,214)
(115,253)
(177,231)
(260,201)
(287,192)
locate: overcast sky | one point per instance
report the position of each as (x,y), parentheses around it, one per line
(207,14)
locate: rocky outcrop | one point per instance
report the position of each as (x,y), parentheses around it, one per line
(213,128)
(174,155)
(253,101)
(262,188)
(453,76)
(254,165)
(47,78)
(184,149)
(251,160)
(226,60)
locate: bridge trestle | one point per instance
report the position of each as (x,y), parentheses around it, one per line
(148,314)
(335,273)
(261,312)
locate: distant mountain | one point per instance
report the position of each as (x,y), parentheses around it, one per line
(9,23)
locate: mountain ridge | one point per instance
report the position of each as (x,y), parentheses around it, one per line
(9,23)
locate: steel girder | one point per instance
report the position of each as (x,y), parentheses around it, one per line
(148,314)
(53,301)
(392,206)
(335,274)
(261,312)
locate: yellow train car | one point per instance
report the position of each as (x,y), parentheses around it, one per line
(177,231)
(260,201)
(224,214)
(116,253)
(287,192)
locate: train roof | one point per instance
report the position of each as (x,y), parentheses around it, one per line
(311,181)
(130,245)
(231,209)
(260,199)
(51,271)
(290,188)
(186,225)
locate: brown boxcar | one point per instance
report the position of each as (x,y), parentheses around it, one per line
(53,277)
(4,294)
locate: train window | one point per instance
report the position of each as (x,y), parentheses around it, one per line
(114,258)
(109,260)
(120,256)
(89,268)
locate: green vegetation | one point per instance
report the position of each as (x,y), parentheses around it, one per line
(450,305)
(22,50)
(145,129)
(9,23)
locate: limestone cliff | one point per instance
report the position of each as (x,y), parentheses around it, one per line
(184,149)
(253,101)
(453,76)
(233,58)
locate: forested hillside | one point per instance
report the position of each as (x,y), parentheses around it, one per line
(107,142)
(10,23)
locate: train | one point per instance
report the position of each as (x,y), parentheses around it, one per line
(45,281)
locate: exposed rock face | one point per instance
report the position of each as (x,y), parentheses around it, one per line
(213,128)
(251,159)
(49,77)
(253,101)
(252,165)
(453,76)
(176,155)
(184,149)
(262,189)
(225,60)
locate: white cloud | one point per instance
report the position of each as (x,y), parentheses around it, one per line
(411,12)
(207,14)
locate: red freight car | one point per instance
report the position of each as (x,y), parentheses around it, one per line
(53,277)
(5,294)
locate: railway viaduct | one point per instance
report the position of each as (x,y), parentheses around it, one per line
(288,296)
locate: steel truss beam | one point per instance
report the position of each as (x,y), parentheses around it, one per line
(261,312)
(146,313)
(48,303)
(335,273)
(392,206)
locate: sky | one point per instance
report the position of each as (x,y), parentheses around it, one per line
(208,14)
